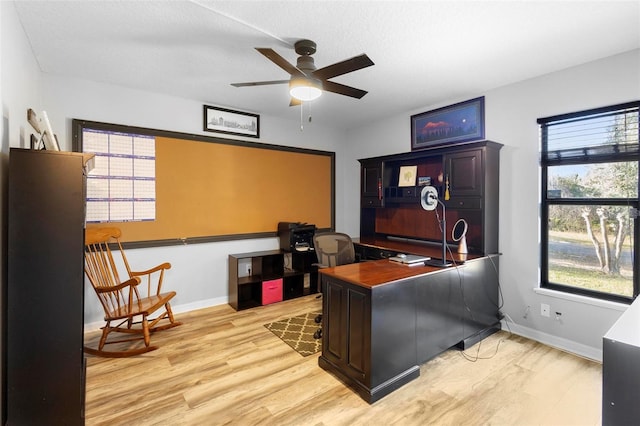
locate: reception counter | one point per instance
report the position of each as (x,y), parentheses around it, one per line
(382,319)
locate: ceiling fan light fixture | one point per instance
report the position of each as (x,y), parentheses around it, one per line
(305,89)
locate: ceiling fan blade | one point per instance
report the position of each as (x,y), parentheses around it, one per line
(341,89)
(346,66)
(260,83)
(280,61)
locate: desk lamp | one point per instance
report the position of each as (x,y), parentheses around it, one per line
(429,201)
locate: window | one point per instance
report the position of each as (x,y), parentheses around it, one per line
(589,202)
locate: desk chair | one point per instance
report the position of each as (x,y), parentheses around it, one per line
(127,303)
(332,249)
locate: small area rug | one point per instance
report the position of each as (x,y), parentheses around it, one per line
(297,332)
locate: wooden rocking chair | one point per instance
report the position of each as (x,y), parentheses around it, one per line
(125,304)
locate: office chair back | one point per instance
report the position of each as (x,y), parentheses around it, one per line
(333,249)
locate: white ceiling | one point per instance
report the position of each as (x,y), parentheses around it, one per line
(425,52)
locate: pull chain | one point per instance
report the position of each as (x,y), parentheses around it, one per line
(301,116)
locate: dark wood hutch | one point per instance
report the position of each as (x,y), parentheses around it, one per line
(468,172)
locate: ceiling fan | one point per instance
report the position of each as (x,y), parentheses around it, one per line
(307,82)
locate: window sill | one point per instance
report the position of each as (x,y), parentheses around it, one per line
(616,306)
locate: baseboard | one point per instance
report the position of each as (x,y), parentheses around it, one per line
(579,349)
(200,304)
(566,345)
(366,393)
(177,309)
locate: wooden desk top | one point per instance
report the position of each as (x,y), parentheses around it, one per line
(377,272)
(372,273)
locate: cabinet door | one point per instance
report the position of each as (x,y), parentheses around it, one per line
(371,178)
(439,313)
(346,328)
(464,172)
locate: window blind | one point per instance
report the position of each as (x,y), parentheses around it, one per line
(600,135)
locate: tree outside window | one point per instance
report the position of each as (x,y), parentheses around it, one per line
(589,202)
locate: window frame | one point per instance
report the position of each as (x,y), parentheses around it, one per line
(546,202)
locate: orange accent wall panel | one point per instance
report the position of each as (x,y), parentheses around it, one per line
(209,187)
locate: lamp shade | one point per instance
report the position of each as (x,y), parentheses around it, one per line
(304,88)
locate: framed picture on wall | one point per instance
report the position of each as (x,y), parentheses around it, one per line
(222,120)
(461,122)
(407,176)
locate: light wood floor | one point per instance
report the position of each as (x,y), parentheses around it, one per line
(225,367)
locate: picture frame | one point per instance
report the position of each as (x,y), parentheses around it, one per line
(231,122)
(424,180)
(407,175)
(461,122)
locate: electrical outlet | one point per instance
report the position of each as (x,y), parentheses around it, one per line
(544,310)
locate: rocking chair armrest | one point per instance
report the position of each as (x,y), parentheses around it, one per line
(131,282)
(165,265)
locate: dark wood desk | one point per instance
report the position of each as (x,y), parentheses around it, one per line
(381,319)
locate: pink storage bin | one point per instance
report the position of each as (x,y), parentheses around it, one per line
(271,291)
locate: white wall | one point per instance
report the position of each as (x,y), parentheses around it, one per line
(19,90)
(511,114)
(199,272)
(21,84)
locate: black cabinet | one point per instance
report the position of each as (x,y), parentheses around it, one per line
(372,184)
(377,332)
(463,173)
(369,335)
(347,308)
(621,370)
(439,308)
(264,277)
(45,368)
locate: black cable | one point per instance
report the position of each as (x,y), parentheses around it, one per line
(477,356)
(499,305)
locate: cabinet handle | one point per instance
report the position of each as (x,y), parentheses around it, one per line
(379,189)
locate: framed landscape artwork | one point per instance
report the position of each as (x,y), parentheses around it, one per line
(461,122)
(222,120)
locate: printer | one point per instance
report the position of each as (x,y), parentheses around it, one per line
(296,236)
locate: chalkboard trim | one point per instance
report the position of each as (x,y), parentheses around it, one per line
(201,240)
(79,124)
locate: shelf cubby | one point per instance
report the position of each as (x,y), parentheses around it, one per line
(248,272)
